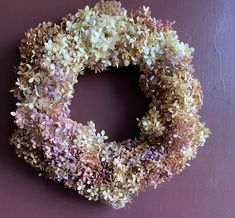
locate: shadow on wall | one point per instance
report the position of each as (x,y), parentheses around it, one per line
(8,59)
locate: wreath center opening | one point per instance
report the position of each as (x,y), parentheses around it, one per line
(112,99)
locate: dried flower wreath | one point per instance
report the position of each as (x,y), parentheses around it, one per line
(52,57)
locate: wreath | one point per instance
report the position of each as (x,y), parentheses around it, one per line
(75,154)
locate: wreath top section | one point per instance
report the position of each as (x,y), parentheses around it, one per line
(105,35)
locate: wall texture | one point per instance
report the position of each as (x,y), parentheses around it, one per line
(204,190)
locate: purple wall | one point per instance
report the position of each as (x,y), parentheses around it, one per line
(204,190)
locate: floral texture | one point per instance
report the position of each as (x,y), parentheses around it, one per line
(52,58)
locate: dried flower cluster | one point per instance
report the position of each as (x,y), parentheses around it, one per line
(52,57)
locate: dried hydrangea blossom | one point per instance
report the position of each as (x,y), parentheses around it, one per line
(53,56)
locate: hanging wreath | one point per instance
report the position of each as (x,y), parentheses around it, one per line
(75,154)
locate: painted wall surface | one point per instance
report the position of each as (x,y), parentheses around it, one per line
(112,100)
